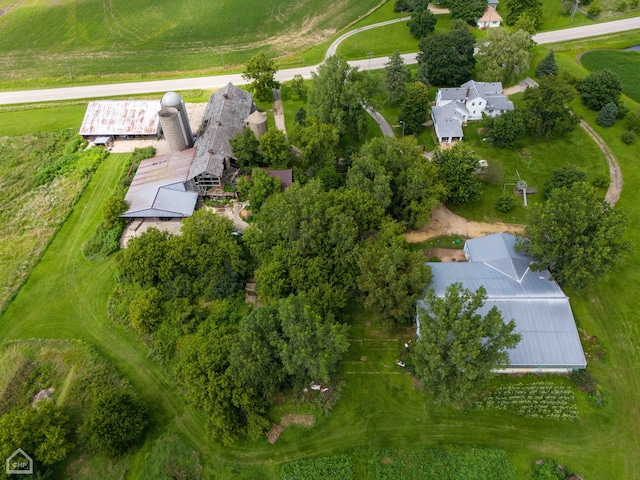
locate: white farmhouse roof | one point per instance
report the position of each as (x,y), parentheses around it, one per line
(540,308)
(121,117)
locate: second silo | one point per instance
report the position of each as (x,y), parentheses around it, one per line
(257,122)
(173,100)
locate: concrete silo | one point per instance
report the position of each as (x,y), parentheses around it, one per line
(177,129)
(257,122)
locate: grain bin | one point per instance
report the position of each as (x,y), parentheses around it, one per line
(173,100)
(172,128)
(257,122)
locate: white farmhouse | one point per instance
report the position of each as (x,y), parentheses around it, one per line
(455,106)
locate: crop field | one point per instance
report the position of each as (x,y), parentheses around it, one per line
(70,39)
(625,63)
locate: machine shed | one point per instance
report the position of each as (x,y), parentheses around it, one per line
(121,118)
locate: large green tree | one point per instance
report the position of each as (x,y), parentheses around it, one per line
(422,23)
(311,346)
(414,111)
(396,76)
(448,57)
(117,423)
(275,149)
(459,348)
(503,55)
(261,70)
(547,110)
(467,10)
(337,95)
(516,8)
(599,88)
(246,149)
(233,409)
(578,236)
(457,169)
(396,174)
(507,129)
(392,277)
(318,144)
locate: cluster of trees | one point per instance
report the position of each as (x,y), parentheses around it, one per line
(600,91)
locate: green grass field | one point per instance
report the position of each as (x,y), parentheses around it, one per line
(625,63)
(51,43)
(380,408)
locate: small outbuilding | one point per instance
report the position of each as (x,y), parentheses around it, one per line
(490,18)
(124,119)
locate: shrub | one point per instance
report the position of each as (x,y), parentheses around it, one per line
(632,121)
(117,423)
(595,9)
(601,181)
(607,115)
(584,381)
(628,137)
(621,6)
(563,177)
(505,203)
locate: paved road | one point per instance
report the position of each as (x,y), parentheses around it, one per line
(219,81)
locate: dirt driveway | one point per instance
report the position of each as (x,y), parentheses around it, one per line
(445,222)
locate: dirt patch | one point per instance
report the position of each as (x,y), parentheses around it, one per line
(445,222)
(388,460)
(415,383)
(446,254)
(42,395)
(306,420)
(274,433)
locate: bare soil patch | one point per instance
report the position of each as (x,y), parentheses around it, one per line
(445,222)
(306,420)
(446,254)
(274,433)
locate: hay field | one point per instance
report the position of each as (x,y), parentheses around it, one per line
(72,38)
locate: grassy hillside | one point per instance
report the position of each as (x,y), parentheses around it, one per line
(70,38)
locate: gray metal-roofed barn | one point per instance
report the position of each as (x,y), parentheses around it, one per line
(175,122)
(225,116)
(550,341)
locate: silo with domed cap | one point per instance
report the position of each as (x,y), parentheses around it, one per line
(175,124)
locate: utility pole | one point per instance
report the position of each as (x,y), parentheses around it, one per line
(66,62)
(575,9)
(402,123)
(369,55)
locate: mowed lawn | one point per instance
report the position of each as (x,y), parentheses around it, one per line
(91,39)
(626,63)
(66,298)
